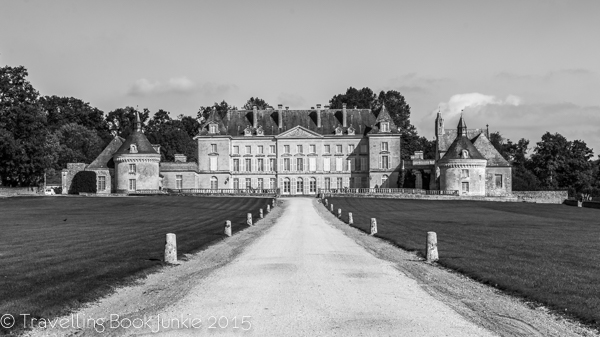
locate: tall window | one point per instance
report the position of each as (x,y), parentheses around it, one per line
(213,128)
(213,163)
(272,183)
(286,164)
(313,185)
(384,180)
(236,150)
(363,164)
(352,183)
(357,166)
(312,164)
(299,148)
(132,186)
(214,183)
(261,165)
(132,168)
(385,162)
(260,183)
(179,181)
(300,164)
(338,149)
(363,148)
(236,165)
(213,148)
(350,148)
(464,173)
(498,178)
(385,127)
(286,149)
(101,183)
(327,164)
(248,183)
(384,146)
(465,187)
(299,185)
(327,148)
(286,185)
(313,148)
(248,149)
(236,183)
(272,164)
(327,183)
(339,183)
(272,149)
(248,165)
(260,149)
(339,163)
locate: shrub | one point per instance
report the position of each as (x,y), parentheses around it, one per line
(83,181)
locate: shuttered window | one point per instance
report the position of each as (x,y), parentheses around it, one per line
(213,163)
(312,164)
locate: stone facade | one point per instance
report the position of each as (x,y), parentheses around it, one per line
(298,151)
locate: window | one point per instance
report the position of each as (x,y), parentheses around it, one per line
(327,164)
(385,162)
(179,181)
(132,184)
(350,148)
(498,178)
(312,164)
(213,128)
(286,164)
(248,149)
(260,149)
(272,164)
(133,148)
(327,148)
(214,183)
(385,127)
(236,184)
(350,165)
(272,149)
(365,182)
(260,183)
(339,183)
(363,148)
(248,183)
(101,183)
(213,163)
(313,185)
(272,183)
(313,148)
(357,162)
(213,148)
(236,165)
(465,187)
(248,165)
(300,164)
(327,183)
(384,180)
(338,149)
(464,173)
(261,165)
(299,185)
(286,185)
(352,183)
(236,150)
(363,164)
(299,148)
(132,168)
(286,149)
(384,146)
(338,163)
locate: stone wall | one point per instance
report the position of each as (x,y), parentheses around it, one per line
(544,197)
(68,174)
(422,197)
(505,188)
(588,204)
(10,191)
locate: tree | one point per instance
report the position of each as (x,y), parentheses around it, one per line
(221,108)
(26,147)
(78,144)
(361,99)
(173,135)
(67,110)
(124,118)
(259,103)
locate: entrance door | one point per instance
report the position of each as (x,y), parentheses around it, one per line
(465,188)
(286,186)
(300,186)
(313,185)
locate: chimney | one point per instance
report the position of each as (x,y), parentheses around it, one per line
(182,158)
(280,115)
(287,108)
(345,114)
(318,115)
(254,117)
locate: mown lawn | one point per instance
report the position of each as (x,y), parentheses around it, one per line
(59,252)
(546,253)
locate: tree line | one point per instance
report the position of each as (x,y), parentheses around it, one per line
(39,135)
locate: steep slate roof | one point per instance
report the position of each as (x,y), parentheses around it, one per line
(459,144)
(104,159)
(236,121)
(138,138)
(487,149)
(449,136)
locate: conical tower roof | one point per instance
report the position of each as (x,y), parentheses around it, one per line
(137,138)
(462,126)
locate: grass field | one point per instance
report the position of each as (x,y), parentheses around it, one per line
(546,253)
(56,252)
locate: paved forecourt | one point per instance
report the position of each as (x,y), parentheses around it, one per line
(306,278)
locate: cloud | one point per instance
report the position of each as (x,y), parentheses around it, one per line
(414,83)
(551,75)
(292,100)
(146,87)
(459,102)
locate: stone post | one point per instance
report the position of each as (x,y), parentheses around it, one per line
(228,228)
(249,219)
(579,203)
(339,213)
(331,208)
(373,226)
(432,251)
(350,219)
(273,203)
(171,249)
(260,213)
(326,203)
(268,209)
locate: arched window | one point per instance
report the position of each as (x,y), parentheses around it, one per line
(214,183)
(384,181)
(313,185)
(286,185)
(299,186)
(132,148)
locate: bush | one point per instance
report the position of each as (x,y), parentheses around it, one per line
(83,181)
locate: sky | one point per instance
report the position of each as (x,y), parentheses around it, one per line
(522,67)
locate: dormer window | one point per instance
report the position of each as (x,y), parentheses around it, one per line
(351,131)
(248,131)
(213,128)
(338,131)
(133,148)
(259,131)
(465,154)
(385,126)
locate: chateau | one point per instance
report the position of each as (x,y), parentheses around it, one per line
(299,152)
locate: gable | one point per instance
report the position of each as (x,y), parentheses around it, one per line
(299,132)
(489,152)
